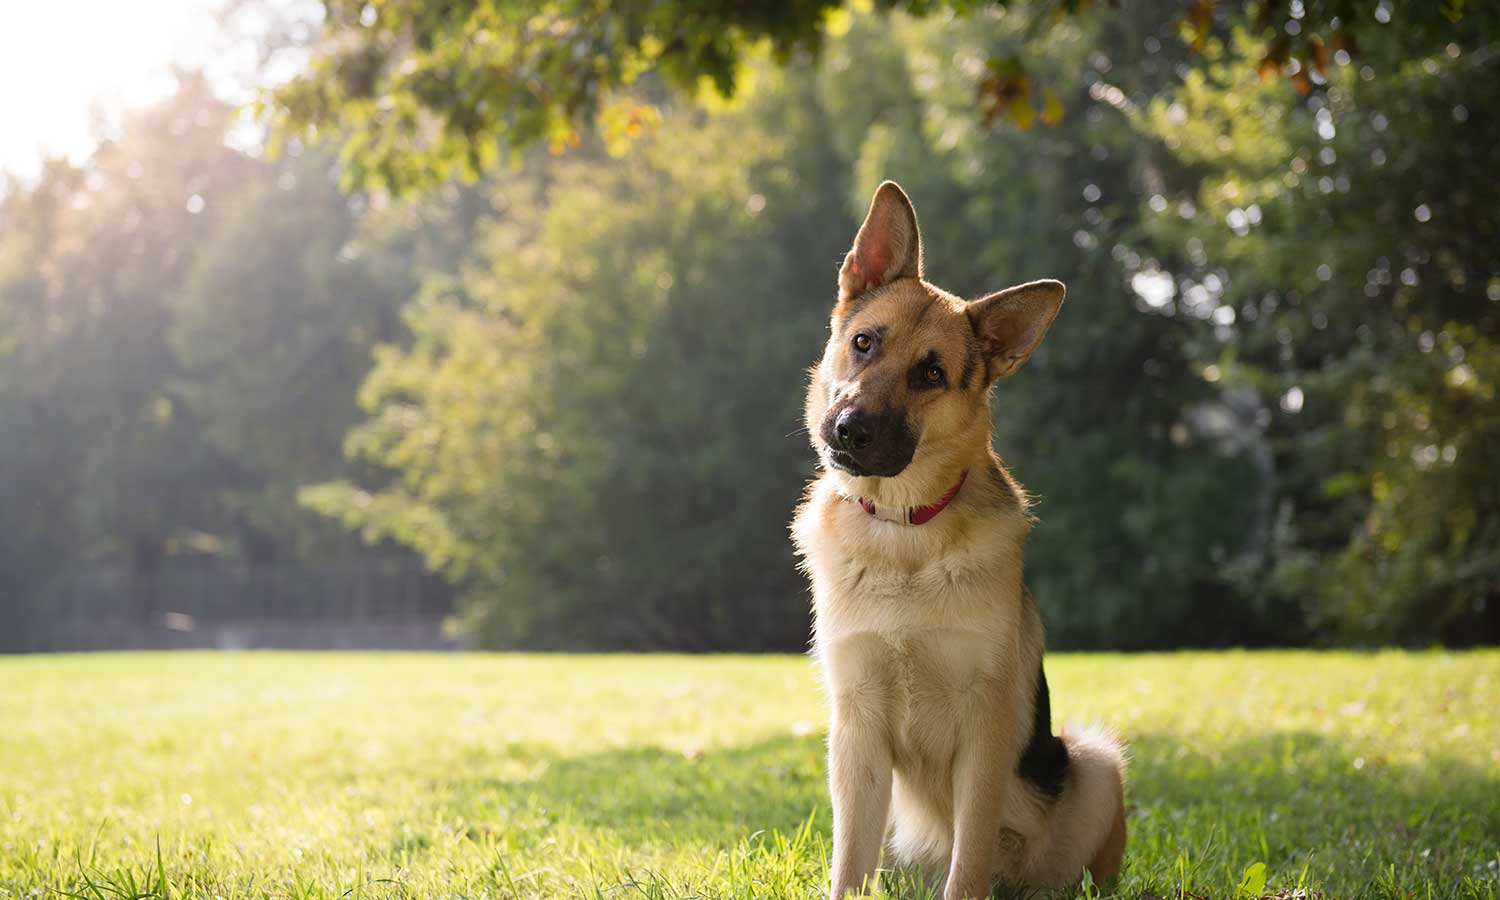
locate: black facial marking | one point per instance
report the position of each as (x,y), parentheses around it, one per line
(917,376)
(922,316)
(971,365)
(891,447)
(1044,762)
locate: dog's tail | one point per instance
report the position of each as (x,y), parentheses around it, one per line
(1085,826)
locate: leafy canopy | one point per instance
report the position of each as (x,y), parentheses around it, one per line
(419,91)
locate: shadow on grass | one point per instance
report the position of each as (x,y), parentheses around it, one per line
(1316,810)
(1305,803)
(652,795)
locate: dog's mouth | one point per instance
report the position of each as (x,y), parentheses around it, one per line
(845,462)
(850,464)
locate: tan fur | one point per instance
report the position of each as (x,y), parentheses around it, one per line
(1106,862)
(929,643)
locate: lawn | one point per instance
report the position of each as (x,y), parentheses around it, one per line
(425,776)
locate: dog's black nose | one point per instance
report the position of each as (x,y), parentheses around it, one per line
(852,428)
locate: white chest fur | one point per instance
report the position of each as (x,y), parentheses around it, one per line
(921,687)
(915,625)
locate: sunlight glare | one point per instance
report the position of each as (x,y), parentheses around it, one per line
(67,68)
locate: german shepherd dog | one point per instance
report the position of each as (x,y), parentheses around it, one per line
(940,745)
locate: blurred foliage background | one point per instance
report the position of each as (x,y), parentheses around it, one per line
(529,291)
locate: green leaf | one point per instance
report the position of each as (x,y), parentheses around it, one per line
(1342,484)
(1252,883)
(1022,112)
(1052,108)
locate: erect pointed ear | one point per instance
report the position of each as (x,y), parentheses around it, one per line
(1010,324)
(887,246)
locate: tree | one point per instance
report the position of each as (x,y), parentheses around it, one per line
(117,240)
(1344,243)
(272,328)
(38,450)
(422,90)
(595,428)
(182,327)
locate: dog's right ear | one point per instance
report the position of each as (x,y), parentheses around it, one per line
(887,247)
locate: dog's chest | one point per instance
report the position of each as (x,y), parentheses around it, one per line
(917,631)
(926,685)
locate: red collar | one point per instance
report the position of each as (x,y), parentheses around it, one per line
(914,515)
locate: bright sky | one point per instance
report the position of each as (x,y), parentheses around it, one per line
(64,64)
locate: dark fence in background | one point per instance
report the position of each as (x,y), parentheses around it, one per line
(389,604)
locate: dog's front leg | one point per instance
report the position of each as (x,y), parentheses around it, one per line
(980,780)
(859,778)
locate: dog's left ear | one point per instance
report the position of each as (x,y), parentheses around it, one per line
(1010,324)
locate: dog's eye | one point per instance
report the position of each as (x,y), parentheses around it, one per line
(862,342)
(933,374)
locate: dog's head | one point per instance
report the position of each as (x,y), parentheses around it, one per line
(906,375)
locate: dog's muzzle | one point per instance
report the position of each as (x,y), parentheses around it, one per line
(868,444)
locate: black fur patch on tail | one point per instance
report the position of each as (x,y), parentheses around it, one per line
(1044,762)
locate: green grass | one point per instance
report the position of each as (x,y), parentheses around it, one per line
(415,776)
